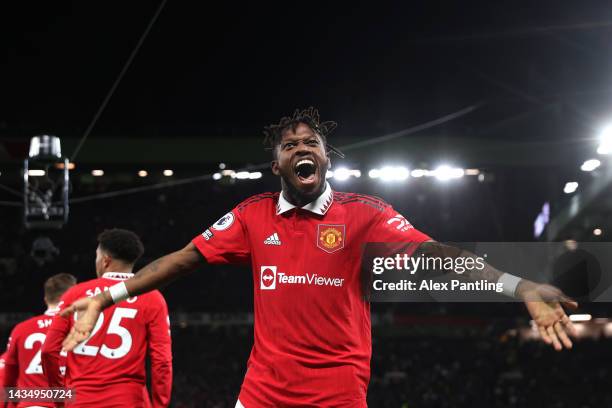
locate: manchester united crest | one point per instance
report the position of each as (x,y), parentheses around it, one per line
(330,238)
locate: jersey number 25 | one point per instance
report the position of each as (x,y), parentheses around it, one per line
(114,327)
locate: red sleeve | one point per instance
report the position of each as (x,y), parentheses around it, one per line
(15,374)
(390,226)
(160,351)
(50,351)
(226,241)
(11,373)
(145,397)
(11,360)
(10,355)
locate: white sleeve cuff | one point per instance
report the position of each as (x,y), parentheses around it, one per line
(509,284)
(118,292)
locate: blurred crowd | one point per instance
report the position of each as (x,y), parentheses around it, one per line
(416,371)
(167,219)
(412,367)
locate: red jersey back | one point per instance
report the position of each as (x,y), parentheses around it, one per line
(108,369)
(23,353)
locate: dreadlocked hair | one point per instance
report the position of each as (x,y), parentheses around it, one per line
(310,116)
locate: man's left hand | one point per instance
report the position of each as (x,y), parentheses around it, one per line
(545,304)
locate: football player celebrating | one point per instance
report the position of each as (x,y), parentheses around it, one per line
(312,343)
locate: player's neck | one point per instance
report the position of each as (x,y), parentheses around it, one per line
(297,198)
(118,268)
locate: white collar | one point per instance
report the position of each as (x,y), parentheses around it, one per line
(52,311)
(318,206)
(117,275)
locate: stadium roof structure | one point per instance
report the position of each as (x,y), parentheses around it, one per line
(549,136)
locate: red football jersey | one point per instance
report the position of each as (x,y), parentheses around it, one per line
(312,343)
(2,366)
(22,362)
(108,369)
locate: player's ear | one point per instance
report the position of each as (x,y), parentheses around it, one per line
(274,166)
(106,260)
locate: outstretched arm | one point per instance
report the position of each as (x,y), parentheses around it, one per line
(156,275)
(51,351)
(545,303)
(160,353)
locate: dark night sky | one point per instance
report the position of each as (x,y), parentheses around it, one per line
(230,68)
(541,69)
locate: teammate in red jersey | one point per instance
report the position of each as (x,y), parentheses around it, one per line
(108,370)
(312,343)
(22,363)
(2,365)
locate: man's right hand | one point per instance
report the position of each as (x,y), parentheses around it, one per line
(153,276)
(88,310)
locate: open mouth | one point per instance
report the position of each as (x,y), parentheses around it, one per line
(306,170)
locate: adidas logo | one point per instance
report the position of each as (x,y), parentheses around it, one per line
(272,240)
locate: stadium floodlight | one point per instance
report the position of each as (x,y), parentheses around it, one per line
(343,174)
(97,173)
(580,317)
(143,173)
(417,173)
(217,176)
(61,166)
(393,173)
(255,175)
(243,175)
(168,173)
(605,140)
(590,165)
(570,187)
(597,232)
(445,172)
(387,173)
(228,173)
(472,172)
(36,173)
